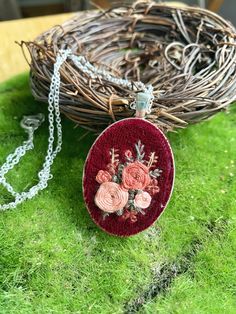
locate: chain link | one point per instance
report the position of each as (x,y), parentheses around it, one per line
(31,123)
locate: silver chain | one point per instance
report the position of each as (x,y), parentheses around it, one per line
(86,67)
(31,123)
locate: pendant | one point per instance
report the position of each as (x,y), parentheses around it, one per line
(128,177)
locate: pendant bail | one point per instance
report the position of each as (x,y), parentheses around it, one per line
(143,103)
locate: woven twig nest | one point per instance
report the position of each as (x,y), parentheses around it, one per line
(188,54)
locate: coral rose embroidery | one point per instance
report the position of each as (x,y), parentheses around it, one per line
(103,176)
(110,197)
(127,187)
(135,176)
(128,153)
(142,200)
(153,187)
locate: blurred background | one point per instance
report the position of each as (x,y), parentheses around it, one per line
(15,9)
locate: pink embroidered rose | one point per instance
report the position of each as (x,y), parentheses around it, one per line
(153,187)
(130,214)
(110,197)
(142,200)
(103,176)
(135,176)
(128,153)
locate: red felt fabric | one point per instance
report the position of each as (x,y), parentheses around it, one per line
(123,135)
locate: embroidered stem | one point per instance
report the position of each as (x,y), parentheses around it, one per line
(152,160)
(114,156)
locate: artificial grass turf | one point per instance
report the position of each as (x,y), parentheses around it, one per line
(53,259)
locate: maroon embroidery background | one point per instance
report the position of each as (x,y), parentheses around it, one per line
(124,135)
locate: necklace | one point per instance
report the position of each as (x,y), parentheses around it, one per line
(129,172)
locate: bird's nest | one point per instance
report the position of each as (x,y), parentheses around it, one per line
(188,54)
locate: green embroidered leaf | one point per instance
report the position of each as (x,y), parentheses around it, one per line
(140,151)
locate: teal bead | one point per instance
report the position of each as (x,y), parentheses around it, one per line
(143,100)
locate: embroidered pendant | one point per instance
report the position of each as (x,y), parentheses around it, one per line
(128,177)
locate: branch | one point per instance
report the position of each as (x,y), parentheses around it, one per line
(114,156)
(152,160)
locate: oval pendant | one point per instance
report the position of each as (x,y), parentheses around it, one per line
(128,177)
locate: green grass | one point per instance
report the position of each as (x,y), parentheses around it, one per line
(53,259)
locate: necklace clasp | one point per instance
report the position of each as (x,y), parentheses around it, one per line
(32,122)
